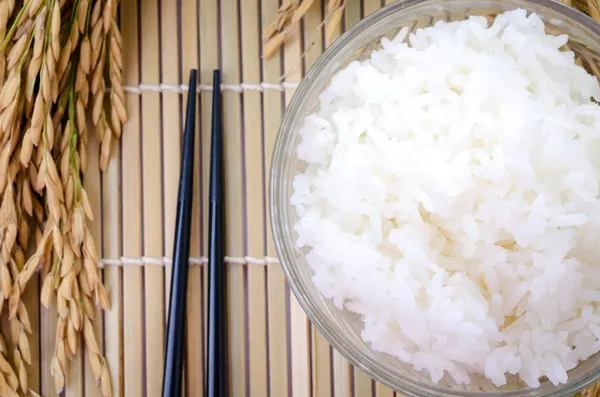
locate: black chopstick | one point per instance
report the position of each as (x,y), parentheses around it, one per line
(172,377)
(217,357)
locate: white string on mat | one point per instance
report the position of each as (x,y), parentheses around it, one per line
(239,88)
(164,261)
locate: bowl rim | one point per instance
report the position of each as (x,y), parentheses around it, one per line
(323,323)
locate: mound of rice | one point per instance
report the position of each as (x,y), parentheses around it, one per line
(451,198)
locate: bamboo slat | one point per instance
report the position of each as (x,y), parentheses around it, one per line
(113,276)
(171,125)
(382,391)
(321,365)
(209,60)
(195,356)
(274,351)
(254,193)
(313,35)
(363,385)
(353,13)
(370,6)
(154,306)
(132,216)
(93,187)
(299,325)
(170,62)
(321,355)
(234,192)
(277,293)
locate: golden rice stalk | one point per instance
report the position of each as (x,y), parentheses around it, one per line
(93,289)
(111,49)
(5,13)
(288,15)
(581,5)
(20,326)
(53,54)
(335,12)
(594,9)
(14,235)
(75,278)
(74,273)
(77,282)
(9,382)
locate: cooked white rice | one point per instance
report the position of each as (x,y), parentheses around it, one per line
(451,198)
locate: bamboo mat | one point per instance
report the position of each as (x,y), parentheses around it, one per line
(273,349)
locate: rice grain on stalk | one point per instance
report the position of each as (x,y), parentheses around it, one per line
(53,55)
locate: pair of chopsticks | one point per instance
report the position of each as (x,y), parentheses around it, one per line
(216,355)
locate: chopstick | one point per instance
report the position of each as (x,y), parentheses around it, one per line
(172,377)
(216,376)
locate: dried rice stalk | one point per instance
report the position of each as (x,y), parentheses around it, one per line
(594,9)
(9,382)
(106,43)
(289,14)
(53,53)
(14,226)
(335,12)
(12,260)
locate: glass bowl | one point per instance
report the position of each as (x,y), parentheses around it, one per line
(341,328)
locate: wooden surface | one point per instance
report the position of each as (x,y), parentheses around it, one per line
(134,204)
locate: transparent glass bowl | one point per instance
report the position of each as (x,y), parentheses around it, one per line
(342,329)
